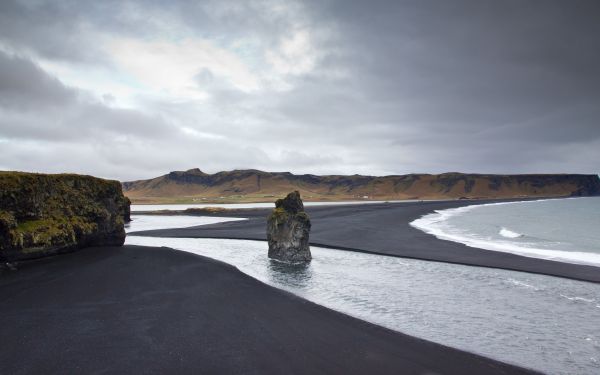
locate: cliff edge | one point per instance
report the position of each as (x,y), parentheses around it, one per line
(46,214)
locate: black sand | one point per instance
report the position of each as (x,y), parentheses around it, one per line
(384,229)
(135,310)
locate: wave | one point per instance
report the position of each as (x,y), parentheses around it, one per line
(434,224)
(523,284)
(580,299)
(509,233)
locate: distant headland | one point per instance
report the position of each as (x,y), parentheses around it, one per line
(250,185)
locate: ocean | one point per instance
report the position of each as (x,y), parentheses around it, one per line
(566,230)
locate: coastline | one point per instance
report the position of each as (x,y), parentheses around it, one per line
(384,229)
(147,309)
(435,224)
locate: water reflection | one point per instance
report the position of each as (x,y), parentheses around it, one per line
(296,275)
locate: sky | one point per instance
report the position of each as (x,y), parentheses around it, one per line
(135,89)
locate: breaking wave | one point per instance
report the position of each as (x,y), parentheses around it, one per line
(443,225)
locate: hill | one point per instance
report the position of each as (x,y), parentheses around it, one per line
(254,186)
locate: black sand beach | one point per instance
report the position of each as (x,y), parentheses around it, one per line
(156,310)
(384,229)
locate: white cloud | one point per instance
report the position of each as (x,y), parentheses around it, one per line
(200,134)
(101,82)
(295,54)
(169,68)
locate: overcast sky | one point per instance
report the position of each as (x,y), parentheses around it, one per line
(129,90)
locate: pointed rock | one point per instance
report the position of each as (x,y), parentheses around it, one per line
(288,229)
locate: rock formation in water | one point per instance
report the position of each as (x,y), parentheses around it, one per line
(44,214)
(288,228)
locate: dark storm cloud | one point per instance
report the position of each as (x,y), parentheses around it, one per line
(457,77)
(482,62)
(51,29)
(395,87)
(25,86)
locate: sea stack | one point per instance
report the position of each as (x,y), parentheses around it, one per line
(288,228)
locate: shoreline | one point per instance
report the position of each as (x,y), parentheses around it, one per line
(429,224)
(384,229)
(157,309)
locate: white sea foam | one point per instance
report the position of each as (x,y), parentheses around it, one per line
(576,298)
(509,233)
(436,224)
(522,284)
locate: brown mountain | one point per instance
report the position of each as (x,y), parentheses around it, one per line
(253,185)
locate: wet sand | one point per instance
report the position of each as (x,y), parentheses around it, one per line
(139,309)
(383,229)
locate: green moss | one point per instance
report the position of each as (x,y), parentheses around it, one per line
(51,232)
(52,211)
(34,225)
(7,220)
(279,215)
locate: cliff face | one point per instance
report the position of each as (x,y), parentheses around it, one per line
(257,185)
(48,214)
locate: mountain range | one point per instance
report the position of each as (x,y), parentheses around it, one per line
(251,185)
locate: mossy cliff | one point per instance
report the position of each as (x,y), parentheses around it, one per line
(44,214)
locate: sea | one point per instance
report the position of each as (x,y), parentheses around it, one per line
(566,230)
(546,323)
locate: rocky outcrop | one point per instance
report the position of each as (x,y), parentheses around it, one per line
(44,214)
(288,228)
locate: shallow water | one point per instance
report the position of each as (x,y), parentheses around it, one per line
(175,207)
(566,230)
(542,322)
(151,222)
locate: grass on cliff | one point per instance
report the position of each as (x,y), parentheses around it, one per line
(41,211)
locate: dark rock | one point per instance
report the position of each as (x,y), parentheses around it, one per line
(291,204)
(288,228)
(127,212)
(43,214)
